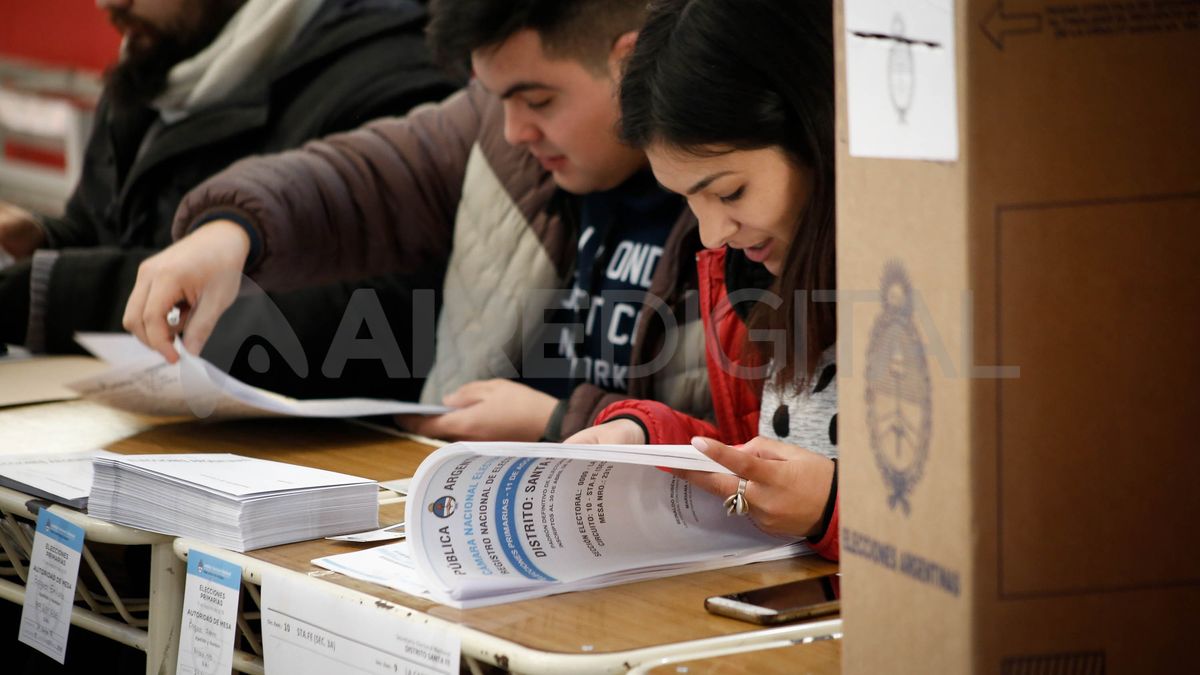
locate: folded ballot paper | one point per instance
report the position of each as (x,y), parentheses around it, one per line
(142,381)
(235,502)
(496,522)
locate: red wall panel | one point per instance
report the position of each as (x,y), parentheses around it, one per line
(65,33)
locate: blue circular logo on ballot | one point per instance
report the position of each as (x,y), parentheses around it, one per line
(443,507)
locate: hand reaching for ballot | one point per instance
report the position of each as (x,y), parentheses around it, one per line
(20,234)
(201,272)
(788,485)
(615,432)
(488,410)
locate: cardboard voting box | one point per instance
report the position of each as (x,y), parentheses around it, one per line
(1019,347)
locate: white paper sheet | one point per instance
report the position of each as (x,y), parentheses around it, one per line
(389,533)
(115,349)
(900,79)
(399,486)
(313,633)
(236,475)
(143,382)
(65,478)
(391,565)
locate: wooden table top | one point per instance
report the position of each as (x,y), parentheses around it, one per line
(333,445)
(823,656)
(618,618)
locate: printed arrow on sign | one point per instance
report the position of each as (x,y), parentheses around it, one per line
(999,24)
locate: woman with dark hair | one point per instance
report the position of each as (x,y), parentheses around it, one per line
(732,101)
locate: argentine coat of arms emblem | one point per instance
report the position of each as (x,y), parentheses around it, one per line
(899,405)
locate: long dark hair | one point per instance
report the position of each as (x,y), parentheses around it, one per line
(747,75)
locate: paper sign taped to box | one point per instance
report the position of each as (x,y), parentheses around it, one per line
(900,79)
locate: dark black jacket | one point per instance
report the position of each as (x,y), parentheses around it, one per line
(355,61)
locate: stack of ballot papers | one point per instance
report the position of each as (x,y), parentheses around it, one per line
(235,502)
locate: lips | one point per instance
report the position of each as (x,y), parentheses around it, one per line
(551,162)
(760,252)
(137,33)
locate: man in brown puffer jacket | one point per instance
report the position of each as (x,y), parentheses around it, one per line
(522,177)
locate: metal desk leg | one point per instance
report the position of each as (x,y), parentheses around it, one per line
(167,574)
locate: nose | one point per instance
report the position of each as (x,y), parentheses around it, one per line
(716,227)
(518,128)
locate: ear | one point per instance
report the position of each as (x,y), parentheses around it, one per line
(620,51)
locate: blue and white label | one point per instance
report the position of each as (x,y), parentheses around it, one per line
(60,530)
(210,606)
(50,588)
(208,568)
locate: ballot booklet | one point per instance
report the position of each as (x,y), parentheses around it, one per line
(238,503)
(496,522)
(141,381)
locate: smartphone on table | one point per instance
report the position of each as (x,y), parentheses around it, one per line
(784,603)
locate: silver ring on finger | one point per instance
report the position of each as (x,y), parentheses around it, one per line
(736,503)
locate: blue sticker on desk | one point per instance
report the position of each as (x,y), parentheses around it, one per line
(60,529)
(211,568)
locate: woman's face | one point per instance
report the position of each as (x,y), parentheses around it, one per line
(746,199)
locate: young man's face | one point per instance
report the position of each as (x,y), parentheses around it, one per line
(562,112)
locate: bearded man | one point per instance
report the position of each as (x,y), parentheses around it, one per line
(200,84)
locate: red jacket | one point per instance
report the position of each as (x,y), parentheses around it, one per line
(736,400)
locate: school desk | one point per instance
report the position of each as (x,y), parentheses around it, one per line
(604,630)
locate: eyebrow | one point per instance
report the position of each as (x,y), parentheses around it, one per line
(705,182)
(523,86)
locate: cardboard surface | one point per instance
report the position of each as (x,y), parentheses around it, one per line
(1019,467)
(43,378)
